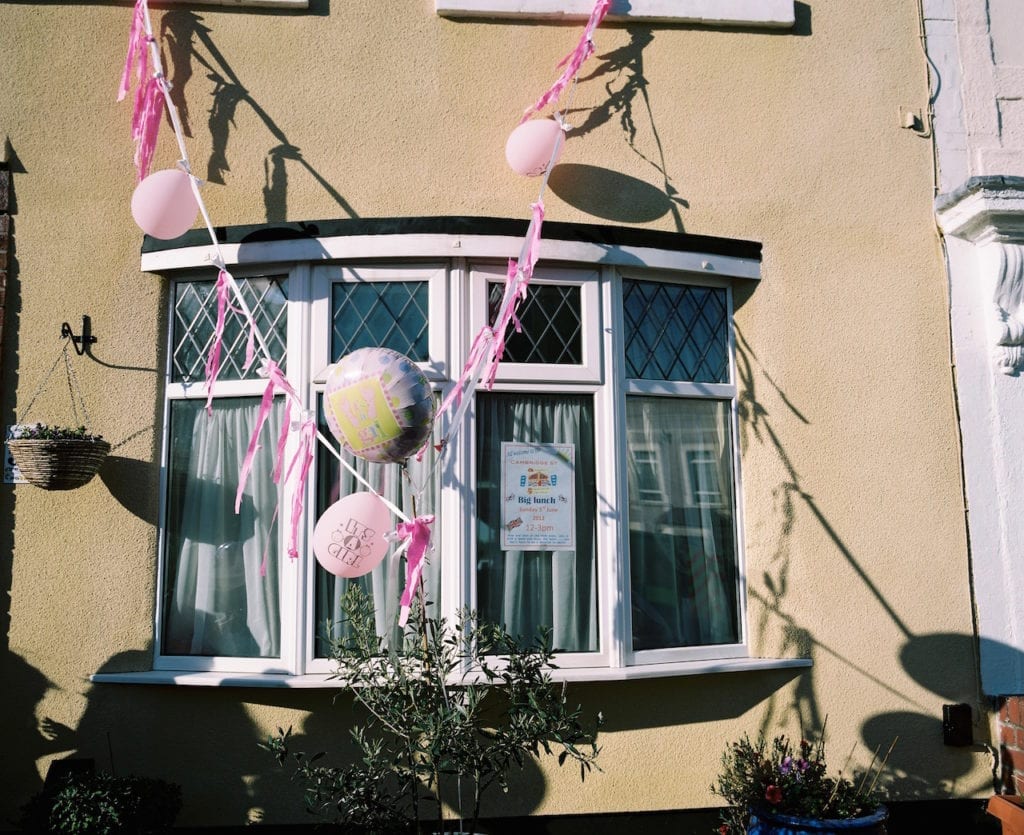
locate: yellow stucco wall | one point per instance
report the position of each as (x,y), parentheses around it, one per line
(855,540)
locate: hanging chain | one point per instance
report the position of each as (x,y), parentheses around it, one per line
(73,387)
(75,390)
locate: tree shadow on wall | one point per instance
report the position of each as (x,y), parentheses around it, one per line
(190,40)
(628,100)
(919,766)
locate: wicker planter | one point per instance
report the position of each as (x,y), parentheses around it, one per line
(58,465)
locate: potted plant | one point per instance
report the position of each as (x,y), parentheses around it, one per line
(449,713)
(57,457)
(102,803)
(782,789)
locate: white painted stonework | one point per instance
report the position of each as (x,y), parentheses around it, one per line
(766,13)
(976,55)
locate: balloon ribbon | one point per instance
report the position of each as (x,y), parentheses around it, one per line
(418,532)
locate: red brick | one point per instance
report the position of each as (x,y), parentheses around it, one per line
(1015,714)
(1008,735)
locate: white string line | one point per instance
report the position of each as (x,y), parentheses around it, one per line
(218,258)
(473,382)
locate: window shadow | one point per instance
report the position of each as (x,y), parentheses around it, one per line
(189,43)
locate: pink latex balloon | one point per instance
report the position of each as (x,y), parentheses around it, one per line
(348,539)
(163,204)
(529,146)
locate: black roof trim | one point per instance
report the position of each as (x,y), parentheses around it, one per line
(445,225)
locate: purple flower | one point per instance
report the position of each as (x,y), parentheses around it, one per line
(786,766)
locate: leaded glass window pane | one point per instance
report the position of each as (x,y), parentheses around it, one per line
(220,574)
(195,319)
(682,543)
(552,327)
(384,314)
(531,589)
(675,332)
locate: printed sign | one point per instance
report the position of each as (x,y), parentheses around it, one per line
(538,510)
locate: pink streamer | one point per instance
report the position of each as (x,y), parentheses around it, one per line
(149,92)
(304,458)
(418,532)
(146,123)
(136,45)
(518,277)
(213,358)
(254,441)
(276,380)
(573,61)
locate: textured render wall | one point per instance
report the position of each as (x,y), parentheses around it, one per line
(854,516)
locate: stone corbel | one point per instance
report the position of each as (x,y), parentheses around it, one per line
(1006,263)
(989,213)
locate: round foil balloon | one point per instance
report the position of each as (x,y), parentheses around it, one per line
(163,204)
(530,146)
(379,405)
(348,539)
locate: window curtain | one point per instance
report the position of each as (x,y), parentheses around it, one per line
(215,601)
(386,582)
(525,590)
(682,550)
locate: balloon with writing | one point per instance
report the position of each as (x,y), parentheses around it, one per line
(349,539)
(379,405)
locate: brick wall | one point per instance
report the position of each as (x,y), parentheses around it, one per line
(1011,743)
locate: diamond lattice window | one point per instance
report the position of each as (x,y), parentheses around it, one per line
(391,314)
(552,329)
(195,319)
(675,332)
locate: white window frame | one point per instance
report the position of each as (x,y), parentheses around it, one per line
(290,637)
(658,474)
(588,281)
(693,493)
(615,660)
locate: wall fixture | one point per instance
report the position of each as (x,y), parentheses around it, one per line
(85,340)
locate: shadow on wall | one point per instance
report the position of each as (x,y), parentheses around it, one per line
(190,42)
(945,664)
(586,187)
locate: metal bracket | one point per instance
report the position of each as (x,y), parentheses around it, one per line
(85,340)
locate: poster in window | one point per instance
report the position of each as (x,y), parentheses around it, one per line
(538,510)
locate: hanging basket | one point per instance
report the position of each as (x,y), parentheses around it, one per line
(58,464)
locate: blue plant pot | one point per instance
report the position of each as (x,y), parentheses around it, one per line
(763,822)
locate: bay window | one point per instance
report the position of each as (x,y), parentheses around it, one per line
(622,536)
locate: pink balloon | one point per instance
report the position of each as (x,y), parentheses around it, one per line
(529,146)
(348,539)
(163,204)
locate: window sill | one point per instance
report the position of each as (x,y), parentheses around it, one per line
(682,668)
(772,14)
(254,4)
